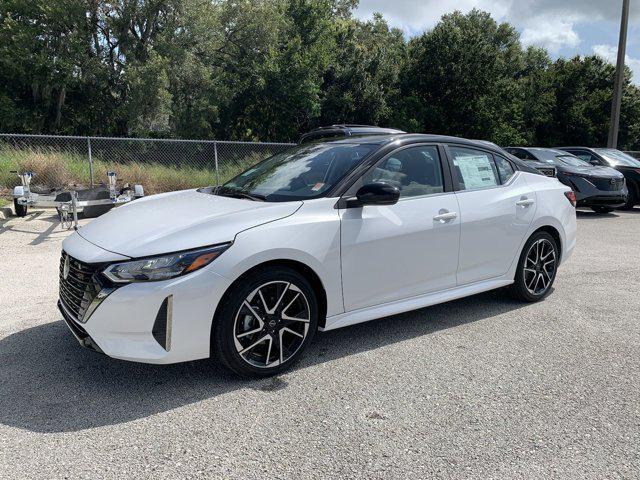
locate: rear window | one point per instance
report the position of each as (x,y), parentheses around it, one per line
(474,168)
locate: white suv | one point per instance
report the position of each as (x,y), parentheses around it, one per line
(322,236)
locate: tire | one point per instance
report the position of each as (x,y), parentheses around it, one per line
(245,322)
(602,209)
(632,199)
(528,272)
(21,210)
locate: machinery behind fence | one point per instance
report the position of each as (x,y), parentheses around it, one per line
(67,162)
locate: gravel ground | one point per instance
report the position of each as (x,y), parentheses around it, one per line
(477,388)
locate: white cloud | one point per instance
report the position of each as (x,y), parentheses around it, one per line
(551,34)
(414,16)
(548,23)
(610,53)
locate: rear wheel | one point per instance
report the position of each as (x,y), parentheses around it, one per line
(602,209)
(21,210)
(537,267)
(265,323)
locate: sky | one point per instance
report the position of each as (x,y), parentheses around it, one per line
(564,27)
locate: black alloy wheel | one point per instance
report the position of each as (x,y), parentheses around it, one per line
(537,268)
(265,322)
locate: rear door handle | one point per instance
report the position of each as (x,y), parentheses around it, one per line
(524,202)
(445,217)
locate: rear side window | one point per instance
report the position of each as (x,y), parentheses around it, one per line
(505,169)
(415,171)
(475,168)
(521,154)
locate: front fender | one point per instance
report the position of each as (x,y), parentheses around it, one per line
(311,236)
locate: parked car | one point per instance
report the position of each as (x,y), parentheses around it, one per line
(600,188)
(345,130)
(321,236)
(622,162)
(528,166)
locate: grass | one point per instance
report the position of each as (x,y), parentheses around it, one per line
(54,168)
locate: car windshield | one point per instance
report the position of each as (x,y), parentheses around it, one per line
(573,161)
(301,173)
(557,157)
(616,157)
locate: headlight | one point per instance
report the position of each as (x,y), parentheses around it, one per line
(163,267)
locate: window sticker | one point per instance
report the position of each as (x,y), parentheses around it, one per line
(476,171)
(317,186)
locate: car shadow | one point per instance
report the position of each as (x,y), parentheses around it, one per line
(48,226)
(48,383)
(588,214)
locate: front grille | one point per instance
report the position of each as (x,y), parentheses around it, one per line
(80,286)
(608,184)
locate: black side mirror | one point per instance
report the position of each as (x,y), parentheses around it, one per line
(378,193)
(594,162)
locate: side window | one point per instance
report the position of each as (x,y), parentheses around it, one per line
(505,169)
(519,153)
(414,171)
(475,168)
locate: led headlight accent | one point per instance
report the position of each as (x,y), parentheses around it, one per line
(163,267)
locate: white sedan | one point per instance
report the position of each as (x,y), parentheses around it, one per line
(322,236)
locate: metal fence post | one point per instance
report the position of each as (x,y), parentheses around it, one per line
(215,156)
(90,162)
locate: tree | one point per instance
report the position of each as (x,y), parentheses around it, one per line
(460,78)
(361,83)
(583,90)
(272,69)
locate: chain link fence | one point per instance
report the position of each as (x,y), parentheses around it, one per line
(160,165)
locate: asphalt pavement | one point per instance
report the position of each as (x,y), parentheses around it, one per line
(483,387)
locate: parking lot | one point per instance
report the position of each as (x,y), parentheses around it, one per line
(483,387)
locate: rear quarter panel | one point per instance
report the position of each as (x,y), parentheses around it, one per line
(554,209)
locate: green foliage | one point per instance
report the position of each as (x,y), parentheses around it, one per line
(66,169)
(272,69)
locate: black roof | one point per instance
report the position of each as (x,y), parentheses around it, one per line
(418,137)
(346,130)
(574,146)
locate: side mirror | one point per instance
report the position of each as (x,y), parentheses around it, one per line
(378,193)
(594,162)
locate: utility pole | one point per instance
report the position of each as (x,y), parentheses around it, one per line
(619,82)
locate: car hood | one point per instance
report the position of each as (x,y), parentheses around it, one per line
(176,221)
(602,172)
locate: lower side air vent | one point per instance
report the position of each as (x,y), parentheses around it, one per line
(162,326)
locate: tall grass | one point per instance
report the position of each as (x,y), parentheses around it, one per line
(53,168)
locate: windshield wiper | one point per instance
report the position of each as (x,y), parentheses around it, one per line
(228,192)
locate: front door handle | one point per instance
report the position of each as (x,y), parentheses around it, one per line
(445,217)
(524,202)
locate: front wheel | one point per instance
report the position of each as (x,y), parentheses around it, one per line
(265,323)
(536,268)
(632,199)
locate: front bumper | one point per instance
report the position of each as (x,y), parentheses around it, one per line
(588,195)
(76,329)
(122,326)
